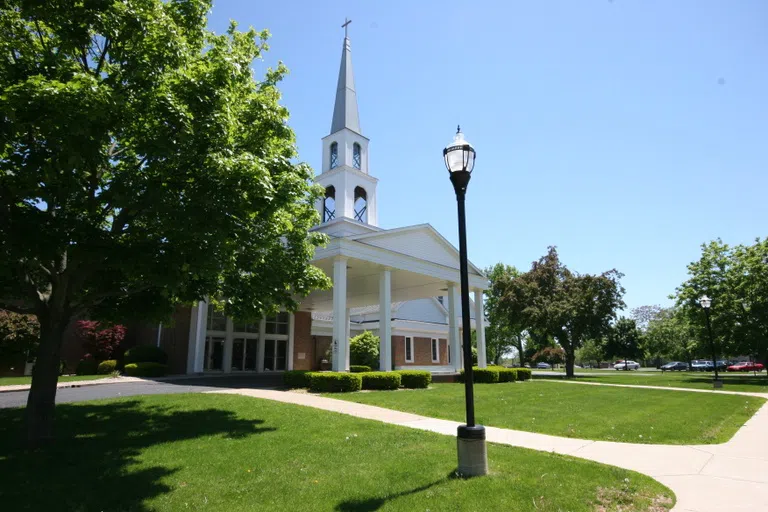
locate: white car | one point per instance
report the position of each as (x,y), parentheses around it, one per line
(626,365)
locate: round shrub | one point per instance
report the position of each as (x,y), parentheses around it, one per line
(334,382)
(359,368)
(523,373)
(145,354)
(107,367)
(296,379)
(87,367)
(146,369)
(381,380)
(364,349)
(415,379)
(483,375)
(506,374)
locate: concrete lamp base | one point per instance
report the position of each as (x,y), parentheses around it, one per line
(473,457)
(718,384)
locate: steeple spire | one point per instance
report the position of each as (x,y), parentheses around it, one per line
(345,113)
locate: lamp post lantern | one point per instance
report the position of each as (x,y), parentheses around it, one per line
(706,303)
(473,459)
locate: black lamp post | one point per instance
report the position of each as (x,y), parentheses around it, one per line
(473,460)
(706,303)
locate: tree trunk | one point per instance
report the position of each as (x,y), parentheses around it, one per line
(570,360)
(45,375)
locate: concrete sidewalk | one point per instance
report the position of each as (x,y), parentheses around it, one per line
(667,388)
(74,383)
(730,477)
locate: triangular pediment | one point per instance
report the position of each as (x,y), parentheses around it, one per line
(421,241)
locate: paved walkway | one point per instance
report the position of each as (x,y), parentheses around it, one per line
(73,383)
(668,388)
(729,477)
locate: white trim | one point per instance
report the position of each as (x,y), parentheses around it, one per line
(406,340)
(436,343)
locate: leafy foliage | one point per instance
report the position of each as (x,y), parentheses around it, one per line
(551,355)
(506,328)
(19,335)
(524,373)
(332,382)
(364,350)
(415,379)
(142,164)
(506,374)
(591,352)
(295,379)
(100,342)
(359,368)
(488,375)
(624,340)
(146,369)
(87,366)
(381,380)
(107,367)
(145,354)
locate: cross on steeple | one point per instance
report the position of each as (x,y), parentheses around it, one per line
(344,26)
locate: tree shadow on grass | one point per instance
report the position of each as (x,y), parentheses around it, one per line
(372,504)
(91,466)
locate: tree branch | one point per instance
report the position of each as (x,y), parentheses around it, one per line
(103,56)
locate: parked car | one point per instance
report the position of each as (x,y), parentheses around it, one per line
(543,366)
(675,366)
(746,366)
(722,365)
(626,365)
(702,366)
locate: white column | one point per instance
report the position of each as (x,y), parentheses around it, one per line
(226,360)
(291,322)
(339,313)
(385,320)
(260,349)
(482,359)
(453,326)
(347,335)
(202,323)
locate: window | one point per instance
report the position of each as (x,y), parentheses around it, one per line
(334,155)
(214,353)
(278,324)
(274,355)
(361,205)
(329,204)
(435,351)
(356,155)
(216,320)
(408,349)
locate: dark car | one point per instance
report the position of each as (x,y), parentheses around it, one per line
(675,366)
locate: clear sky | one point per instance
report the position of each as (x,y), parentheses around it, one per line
(624,132)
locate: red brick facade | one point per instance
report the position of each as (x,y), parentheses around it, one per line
(304,357)
(422,351)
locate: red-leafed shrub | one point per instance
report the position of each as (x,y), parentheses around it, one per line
(101,342)
(551,355)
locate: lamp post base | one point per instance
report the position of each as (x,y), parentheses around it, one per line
(473,456)
(717,383)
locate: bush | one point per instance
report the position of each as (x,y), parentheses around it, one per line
(296,379)
(364,350)
(146,369)
(523,374)
(87,366)
(483,375)
(145,354)
(551,355)
(101,342)
(332,382)
(415,379)
(19,337)
(381,380)
(107,367)
(359,368)
(506,374)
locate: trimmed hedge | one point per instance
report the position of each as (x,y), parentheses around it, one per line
(523,373)
(506,374)
(146,369)
(296,379)
(333,382)
(381,380)
(359,368)
(87,367)
(107,367)
(482,375)
(145,354)
(415,379)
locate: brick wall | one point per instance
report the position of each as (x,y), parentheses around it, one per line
(303,344)
(422,351)
(174,338)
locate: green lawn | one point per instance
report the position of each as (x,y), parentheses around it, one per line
(694,380)
(16,381)
(589,412)
(226,452)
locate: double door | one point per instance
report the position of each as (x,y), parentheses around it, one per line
(245,355)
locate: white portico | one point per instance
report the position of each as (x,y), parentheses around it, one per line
(370,265)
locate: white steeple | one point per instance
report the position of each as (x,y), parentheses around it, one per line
(350,189)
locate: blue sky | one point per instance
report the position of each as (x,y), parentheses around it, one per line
(626,133)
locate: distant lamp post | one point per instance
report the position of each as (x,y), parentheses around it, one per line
(706,303)
(473,459)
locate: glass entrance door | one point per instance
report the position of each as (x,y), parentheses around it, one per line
(244,354)
(214,353)
(274,355)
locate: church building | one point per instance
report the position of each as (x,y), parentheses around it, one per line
(402,284)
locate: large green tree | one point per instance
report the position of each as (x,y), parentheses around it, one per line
(570,307)
(142,164)
(670,336)
(505,328)
(624,340)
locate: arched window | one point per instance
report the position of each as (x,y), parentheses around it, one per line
(329,204)
(361,205)
(334,155)
(356,155)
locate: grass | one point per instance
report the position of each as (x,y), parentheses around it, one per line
(693,380)
(228,452)
(588,412)
(16,381)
